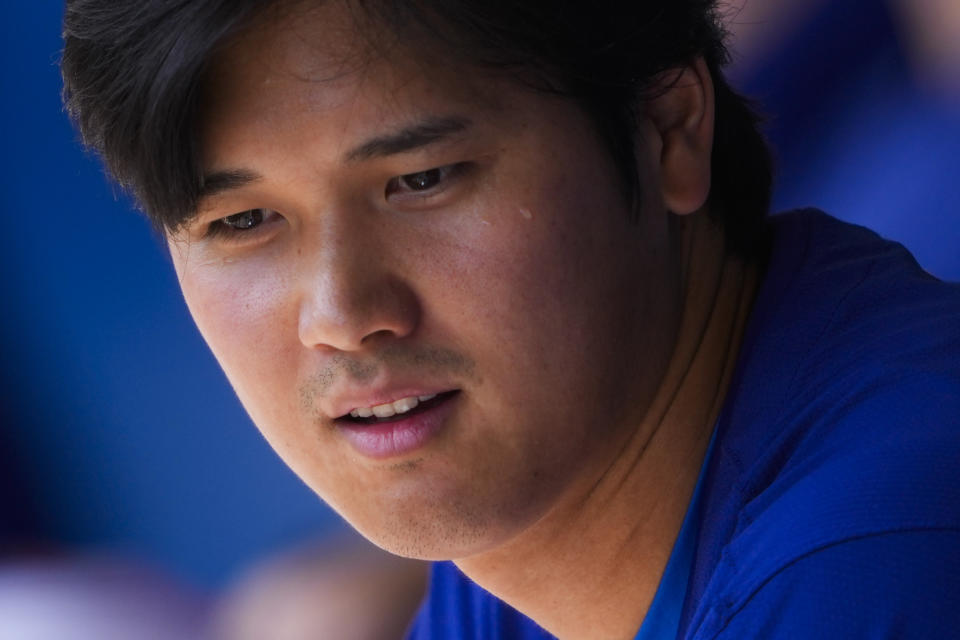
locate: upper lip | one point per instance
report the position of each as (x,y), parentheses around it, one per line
(345,403)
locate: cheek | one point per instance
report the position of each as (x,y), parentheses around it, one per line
(231,305)
(530,286)
(246,314)
(544,246)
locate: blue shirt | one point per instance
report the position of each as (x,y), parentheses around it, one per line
(829,506)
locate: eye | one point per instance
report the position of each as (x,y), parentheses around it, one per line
(421,181)
(424,182)
(244,220)
(240,223)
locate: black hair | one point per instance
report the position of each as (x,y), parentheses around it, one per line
(134,71)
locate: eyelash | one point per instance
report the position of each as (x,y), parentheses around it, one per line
(444,175)
(221,229)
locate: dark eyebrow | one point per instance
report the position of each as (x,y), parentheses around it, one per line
(220,181)
(421,134)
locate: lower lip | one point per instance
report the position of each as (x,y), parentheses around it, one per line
(398,437)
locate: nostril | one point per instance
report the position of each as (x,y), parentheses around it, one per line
(350,313)
(377,336)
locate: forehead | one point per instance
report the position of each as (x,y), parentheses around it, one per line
(323,58)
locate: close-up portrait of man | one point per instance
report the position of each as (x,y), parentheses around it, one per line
(499,282)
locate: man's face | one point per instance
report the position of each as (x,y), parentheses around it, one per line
(429,236)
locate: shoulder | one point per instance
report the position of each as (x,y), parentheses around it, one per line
(850,345)
(457,609)
(838,295)
(838,444)
(898,584)
(864,525)
(866,350)
(852,287)
(883,484)
(849,376)
(845,321)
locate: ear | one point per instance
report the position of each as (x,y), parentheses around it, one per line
(681,114)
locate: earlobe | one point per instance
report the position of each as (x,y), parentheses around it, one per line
(682,113)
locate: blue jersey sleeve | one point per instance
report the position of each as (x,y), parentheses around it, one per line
(898,585)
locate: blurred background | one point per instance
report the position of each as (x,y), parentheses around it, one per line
(126,461)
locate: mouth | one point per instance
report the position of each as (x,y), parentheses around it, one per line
(395,411)
(401,427)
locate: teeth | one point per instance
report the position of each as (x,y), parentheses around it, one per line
(391,408)
(384,410)
(405,404)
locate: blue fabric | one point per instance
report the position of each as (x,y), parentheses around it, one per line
(830,504)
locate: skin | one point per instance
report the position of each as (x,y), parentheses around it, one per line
(590,347)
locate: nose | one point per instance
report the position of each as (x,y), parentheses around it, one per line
(352,299)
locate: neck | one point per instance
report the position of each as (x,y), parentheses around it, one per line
(590,568)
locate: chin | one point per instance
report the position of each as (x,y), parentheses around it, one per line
(447,533)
